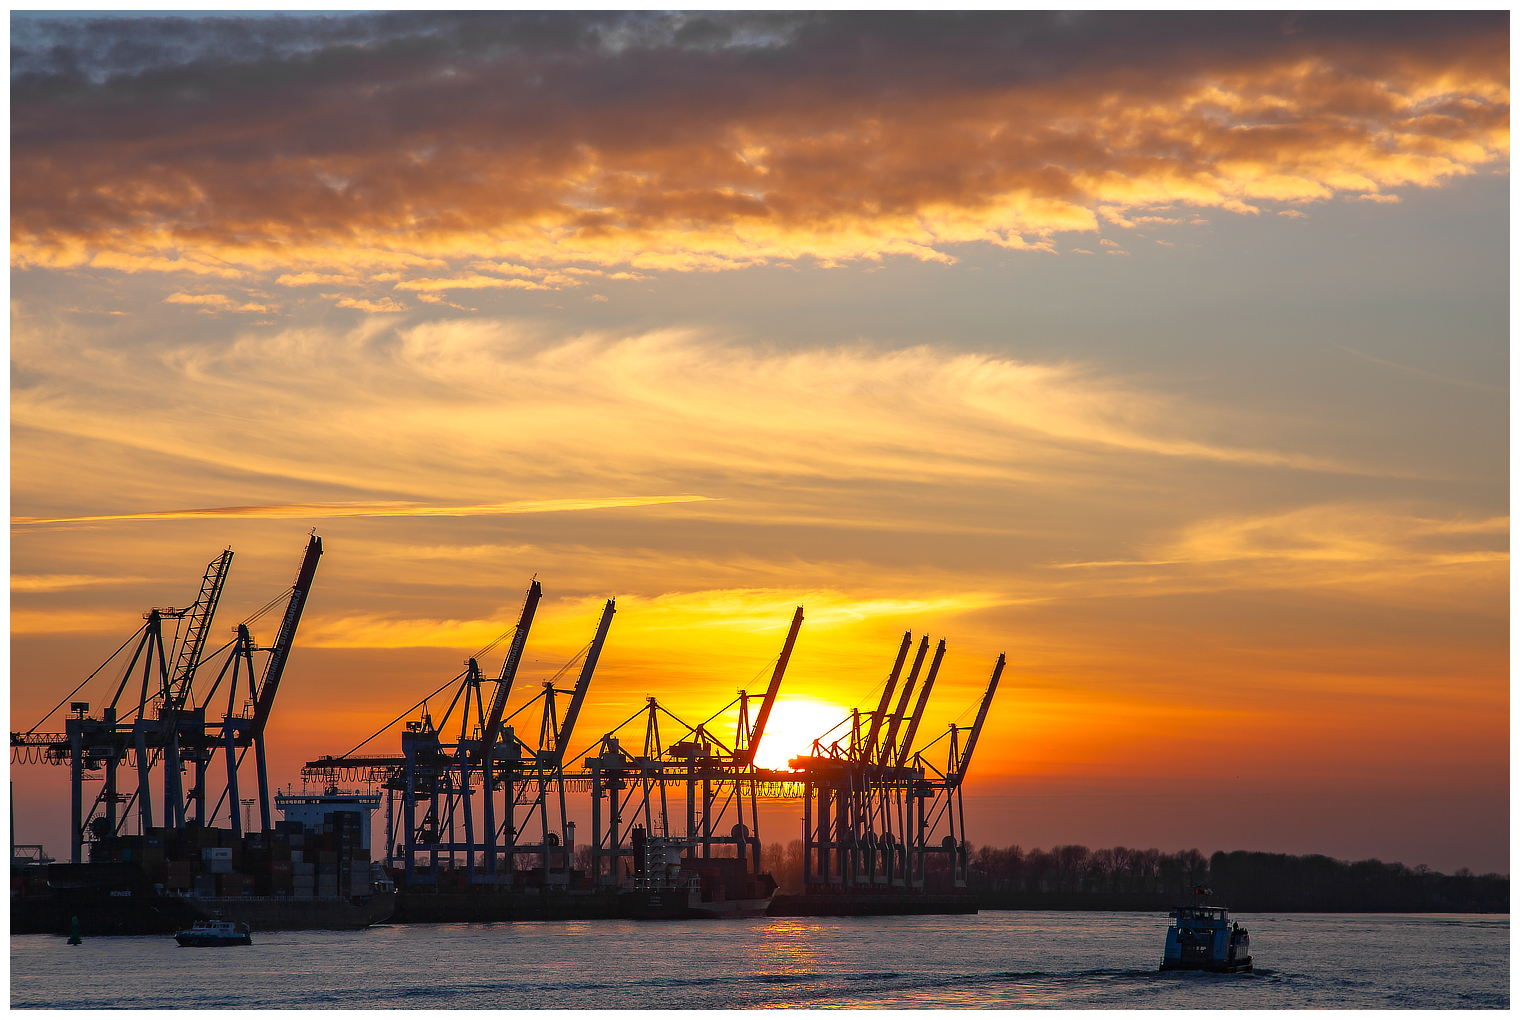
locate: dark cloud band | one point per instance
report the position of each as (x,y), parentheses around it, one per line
(704,142)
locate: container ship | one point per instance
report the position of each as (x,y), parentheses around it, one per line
(312,871)
(667,884)
(664,883)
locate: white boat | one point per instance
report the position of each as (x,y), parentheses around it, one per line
(1202,937)
(214,933)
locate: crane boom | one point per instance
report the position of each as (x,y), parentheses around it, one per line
(280,653)
(194,644)
(562,739)
(510,663)
(889,742)
(886,694)
(981,717)
(770,692)
(923,699)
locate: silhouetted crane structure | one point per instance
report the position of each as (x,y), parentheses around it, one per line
(169,728)
(474,756)
(873,806)
(472,764)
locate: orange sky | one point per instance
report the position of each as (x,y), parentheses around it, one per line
(1165,354)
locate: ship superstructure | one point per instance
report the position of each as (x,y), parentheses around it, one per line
(1202,937)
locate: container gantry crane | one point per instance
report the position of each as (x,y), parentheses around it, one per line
(531,777)
(446,766)
(168,726)
(874,805)
(871,809)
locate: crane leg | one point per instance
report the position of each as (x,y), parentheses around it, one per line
(262,766)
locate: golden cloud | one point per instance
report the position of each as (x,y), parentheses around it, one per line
(65,582)
(308,279)
(220,302)
(645,412)
(131,263)
(381,307)
(315,511)
(1382,552)
(476,282)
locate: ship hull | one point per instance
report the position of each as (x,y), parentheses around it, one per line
(659,904)
(879,905)
(117,899)
(1212,966)
(164,915)
(211,941)
(487,905)
(733,908)
(686,904)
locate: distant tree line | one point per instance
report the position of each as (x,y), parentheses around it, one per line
(1259,881)
(1072,877)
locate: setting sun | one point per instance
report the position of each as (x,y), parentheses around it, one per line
(793,726)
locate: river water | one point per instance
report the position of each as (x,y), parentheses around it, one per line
(996,959)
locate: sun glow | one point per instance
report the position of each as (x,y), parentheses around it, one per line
(793,725)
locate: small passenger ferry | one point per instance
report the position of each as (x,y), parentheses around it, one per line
(214,933)
(1203,938)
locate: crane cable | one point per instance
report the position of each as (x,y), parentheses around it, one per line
(87,679)
(257,614)
(500,638)
(400,717)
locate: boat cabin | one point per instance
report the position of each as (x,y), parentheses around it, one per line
(1203,938)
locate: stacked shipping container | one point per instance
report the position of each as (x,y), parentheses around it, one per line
(325,862)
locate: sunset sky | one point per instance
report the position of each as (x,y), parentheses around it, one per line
(1167,355)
